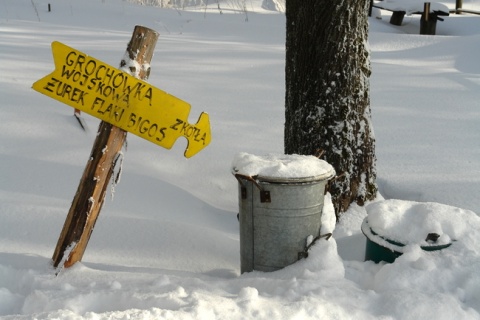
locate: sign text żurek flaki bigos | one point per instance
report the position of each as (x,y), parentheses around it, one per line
(122,100)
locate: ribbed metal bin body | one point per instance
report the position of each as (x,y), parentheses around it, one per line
(273,233)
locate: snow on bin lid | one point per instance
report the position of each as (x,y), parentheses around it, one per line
(282,168)
(410,222)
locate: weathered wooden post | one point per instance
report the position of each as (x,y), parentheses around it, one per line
(458,6)
(428,21)
(91,191)
(397,18)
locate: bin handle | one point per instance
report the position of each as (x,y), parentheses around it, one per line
(331,181)
(264,194)
(319,153)
(240,176)
(304,253)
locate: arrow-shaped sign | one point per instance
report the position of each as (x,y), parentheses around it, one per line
(122,100)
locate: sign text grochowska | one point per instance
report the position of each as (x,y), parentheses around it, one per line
(122,100)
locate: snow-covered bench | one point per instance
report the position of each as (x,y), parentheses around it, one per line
(409,7)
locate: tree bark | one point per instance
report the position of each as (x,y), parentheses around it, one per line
(327,102)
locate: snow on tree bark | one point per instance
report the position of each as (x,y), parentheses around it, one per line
(327,102)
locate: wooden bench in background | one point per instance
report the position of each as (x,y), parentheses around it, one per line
(430,12)
(459,8)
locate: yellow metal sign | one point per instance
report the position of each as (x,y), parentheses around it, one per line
(122,100)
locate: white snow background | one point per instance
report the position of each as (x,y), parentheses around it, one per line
(167,246)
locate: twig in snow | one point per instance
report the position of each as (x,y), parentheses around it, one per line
(36,11)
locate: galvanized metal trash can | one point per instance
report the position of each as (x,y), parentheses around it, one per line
(276,216)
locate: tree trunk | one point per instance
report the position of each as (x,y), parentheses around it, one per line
(327,103)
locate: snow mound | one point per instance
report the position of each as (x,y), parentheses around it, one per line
(411,222)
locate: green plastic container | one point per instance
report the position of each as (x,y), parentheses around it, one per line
(380,248)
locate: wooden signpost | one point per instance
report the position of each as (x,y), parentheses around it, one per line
(124,102)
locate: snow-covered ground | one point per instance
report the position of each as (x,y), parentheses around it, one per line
(167,246)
